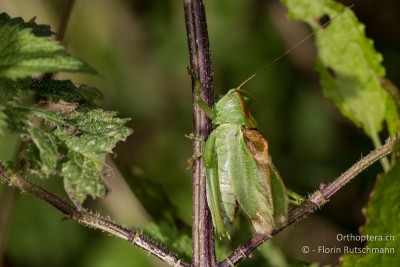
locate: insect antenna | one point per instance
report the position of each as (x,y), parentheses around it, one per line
(292,48)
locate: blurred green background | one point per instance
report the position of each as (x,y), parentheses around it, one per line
(139,47)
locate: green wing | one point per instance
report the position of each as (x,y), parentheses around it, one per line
(279,195)
(259,194)
(220,196)
(238,172)
(226,147)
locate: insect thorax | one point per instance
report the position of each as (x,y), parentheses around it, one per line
(232,109)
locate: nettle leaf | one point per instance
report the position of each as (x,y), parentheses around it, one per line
(37,29)
(24,54)
(382,221)
(18,119)
(65,90)
(350,68)
(52,118)
(88,138)
(13,92)
(48,150)
(72,146)
(41,153)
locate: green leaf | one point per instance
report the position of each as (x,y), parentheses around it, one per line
(48,116)
(350,68)
(48,151)
(382,220)
(392,107)
(41,155)
(20,118)
(23,54)
(89,137)
(65,90)
(37,29)
(13,92)
(83,136)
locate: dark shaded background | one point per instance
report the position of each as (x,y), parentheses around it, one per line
(139,47)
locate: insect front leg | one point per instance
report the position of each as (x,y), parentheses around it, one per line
(203,105)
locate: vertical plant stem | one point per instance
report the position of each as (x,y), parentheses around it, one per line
(201,73)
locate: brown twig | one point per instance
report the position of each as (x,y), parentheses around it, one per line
(315,201)
(93,220)
(202,82)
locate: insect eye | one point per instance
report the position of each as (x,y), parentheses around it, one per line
(324,21)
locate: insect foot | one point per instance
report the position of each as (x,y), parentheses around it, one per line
(192,159)
(193,137)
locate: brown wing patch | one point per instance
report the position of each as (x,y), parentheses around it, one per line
(258,147)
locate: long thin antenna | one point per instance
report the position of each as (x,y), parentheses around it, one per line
(294,47)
